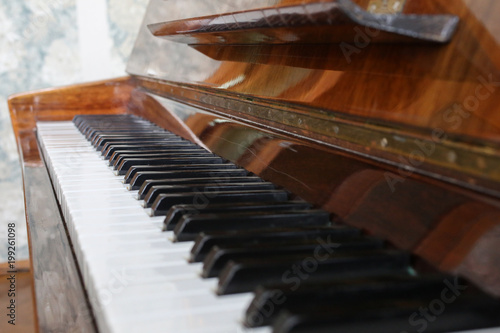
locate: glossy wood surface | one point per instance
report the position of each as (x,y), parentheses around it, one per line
(407,92)
(447,226)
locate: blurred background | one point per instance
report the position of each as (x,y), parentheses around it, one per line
(47,43)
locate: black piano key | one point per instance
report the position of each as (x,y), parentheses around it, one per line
(155,191)
(132,149)
(168,157)
(136,140)
(141,153)
(106,128)
(127,136)
(218,257)
(127,163)
(195,171)
(100,140)
(269,300)
(165,201)
(191,225)
(91,134)
(206,241)
(166,143)
(109,150)
(148,184)
(466,312)
(245,274)
(176,212)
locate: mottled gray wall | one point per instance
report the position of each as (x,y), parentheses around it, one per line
(46,43)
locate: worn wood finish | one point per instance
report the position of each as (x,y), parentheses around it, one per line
(60,299)
(24,302)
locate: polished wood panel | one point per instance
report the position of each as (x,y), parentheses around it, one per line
(394,96)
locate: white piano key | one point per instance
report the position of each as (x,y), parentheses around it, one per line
(124,257)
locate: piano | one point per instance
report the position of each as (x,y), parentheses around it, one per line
(274,166)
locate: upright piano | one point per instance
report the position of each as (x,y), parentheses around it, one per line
(274,166)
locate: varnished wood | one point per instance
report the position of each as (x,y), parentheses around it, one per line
(385,101)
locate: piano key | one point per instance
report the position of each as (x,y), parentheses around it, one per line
(109,150)
(148,184)
(165,201)
(158,169)
(127,163)
(206,240)
(100,140)
(155,191)
(195,171)
(119,155)
(92,134)
(191,225)
(466,312)
(219,256)
(269,300)
(176,212)
(130,148)
(245,274)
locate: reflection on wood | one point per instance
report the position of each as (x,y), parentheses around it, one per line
(445,225)
(412,85)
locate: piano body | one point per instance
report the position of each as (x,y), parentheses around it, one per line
(383,113)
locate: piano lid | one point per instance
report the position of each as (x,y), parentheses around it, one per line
(430,108)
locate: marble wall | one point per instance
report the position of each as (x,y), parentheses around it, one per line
(46,43)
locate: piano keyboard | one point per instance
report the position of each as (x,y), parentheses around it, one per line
(170,237)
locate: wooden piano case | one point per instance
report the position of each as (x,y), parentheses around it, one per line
(399,138)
